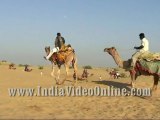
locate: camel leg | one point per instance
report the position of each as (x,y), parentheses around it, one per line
(133,81)
(75,70)
(58,76)
(67,72)
(52,73)
(133,78)
(156,79)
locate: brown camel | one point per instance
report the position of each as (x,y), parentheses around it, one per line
(11,66)
(134,72)
(58,60)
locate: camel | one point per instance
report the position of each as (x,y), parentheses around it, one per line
(114,74)
(26,69)
(56,60)
(11,66)
(134,72)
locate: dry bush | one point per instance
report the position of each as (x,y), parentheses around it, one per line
(123,75)
(40,67)
(87,67)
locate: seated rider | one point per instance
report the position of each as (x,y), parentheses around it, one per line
(59,45)
(144,48)
(59,41)
(27,69)
(84,75)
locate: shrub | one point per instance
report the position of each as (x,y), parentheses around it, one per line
(12,64)
(3,61)
(108,69)
(21,65)
(40,67)
(87,67)
(116,69)
(123,75)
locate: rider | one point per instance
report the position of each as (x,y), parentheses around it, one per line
(144,48)
(59,41)
(59,45)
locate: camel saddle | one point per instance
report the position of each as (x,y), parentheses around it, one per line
(60,57)
(149,62)
(152,67)
(148,56)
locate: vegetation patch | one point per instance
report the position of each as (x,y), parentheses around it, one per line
(87,67)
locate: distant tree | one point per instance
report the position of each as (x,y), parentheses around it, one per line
(21,65)
(4,61)
(87,67)
(40,67)
(116,69)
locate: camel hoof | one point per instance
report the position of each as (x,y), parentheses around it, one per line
(133,85)
(52,75)
(74,83)
(63,81)
(154,89)
(58,83)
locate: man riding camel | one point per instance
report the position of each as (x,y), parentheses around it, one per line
(60,48)
(59,43)
(143,49)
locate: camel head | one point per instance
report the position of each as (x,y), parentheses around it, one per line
(47,50)
(111,50)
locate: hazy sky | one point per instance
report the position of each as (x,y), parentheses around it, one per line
(27,26)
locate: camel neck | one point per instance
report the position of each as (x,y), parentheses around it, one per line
(118,59)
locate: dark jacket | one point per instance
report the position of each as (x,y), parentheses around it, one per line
(59,41)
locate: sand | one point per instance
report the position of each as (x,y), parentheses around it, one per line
(64,107)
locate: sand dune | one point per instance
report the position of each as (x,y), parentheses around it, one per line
(91,107)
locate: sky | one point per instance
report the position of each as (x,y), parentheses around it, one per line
(27,26)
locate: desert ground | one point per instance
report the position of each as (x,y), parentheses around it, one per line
(64,107)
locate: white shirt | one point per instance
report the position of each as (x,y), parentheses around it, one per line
(145,43)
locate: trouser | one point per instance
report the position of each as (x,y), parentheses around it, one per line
(135,57)
(49,55)
(51,52)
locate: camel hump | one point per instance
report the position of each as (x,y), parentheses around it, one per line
(66,48)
